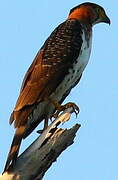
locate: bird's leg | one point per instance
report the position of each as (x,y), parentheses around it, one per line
(45,123)
(45,126)
(60,107)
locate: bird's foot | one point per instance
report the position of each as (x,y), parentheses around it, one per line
(60,108)
(40,131)
(64,107)
(45,126)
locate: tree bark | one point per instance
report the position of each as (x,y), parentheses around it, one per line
(39,156)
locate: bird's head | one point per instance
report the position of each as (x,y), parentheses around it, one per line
(89,13)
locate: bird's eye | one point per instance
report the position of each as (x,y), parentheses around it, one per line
(98,10)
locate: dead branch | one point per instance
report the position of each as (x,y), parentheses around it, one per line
(39,156)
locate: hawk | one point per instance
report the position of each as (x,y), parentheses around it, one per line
(56,69)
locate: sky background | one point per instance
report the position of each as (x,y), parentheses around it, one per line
(24,26)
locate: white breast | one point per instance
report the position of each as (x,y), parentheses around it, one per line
(76,71)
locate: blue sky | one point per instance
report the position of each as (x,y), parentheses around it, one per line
(24,26)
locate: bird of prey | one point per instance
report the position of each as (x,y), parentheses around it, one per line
(56,69)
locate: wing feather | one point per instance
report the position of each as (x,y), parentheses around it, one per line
(51,64)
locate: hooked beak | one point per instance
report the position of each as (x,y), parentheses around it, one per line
(106,20)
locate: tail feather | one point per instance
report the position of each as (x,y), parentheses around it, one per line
(13,153)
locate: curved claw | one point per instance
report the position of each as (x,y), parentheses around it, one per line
(55,115)
(66,106)
(76,109)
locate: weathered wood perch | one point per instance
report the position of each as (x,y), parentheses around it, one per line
(39,156)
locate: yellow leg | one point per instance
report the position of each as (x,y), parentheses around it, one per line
(60,108)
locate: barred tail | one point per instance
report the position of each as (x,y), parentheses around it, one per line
(13,153)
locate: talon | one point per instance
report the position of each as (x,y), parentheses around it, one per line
(39,131)
(76,110)
(66,106)
(60,108)
(51,118)
(45,126)
(55,115)
(74,106)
